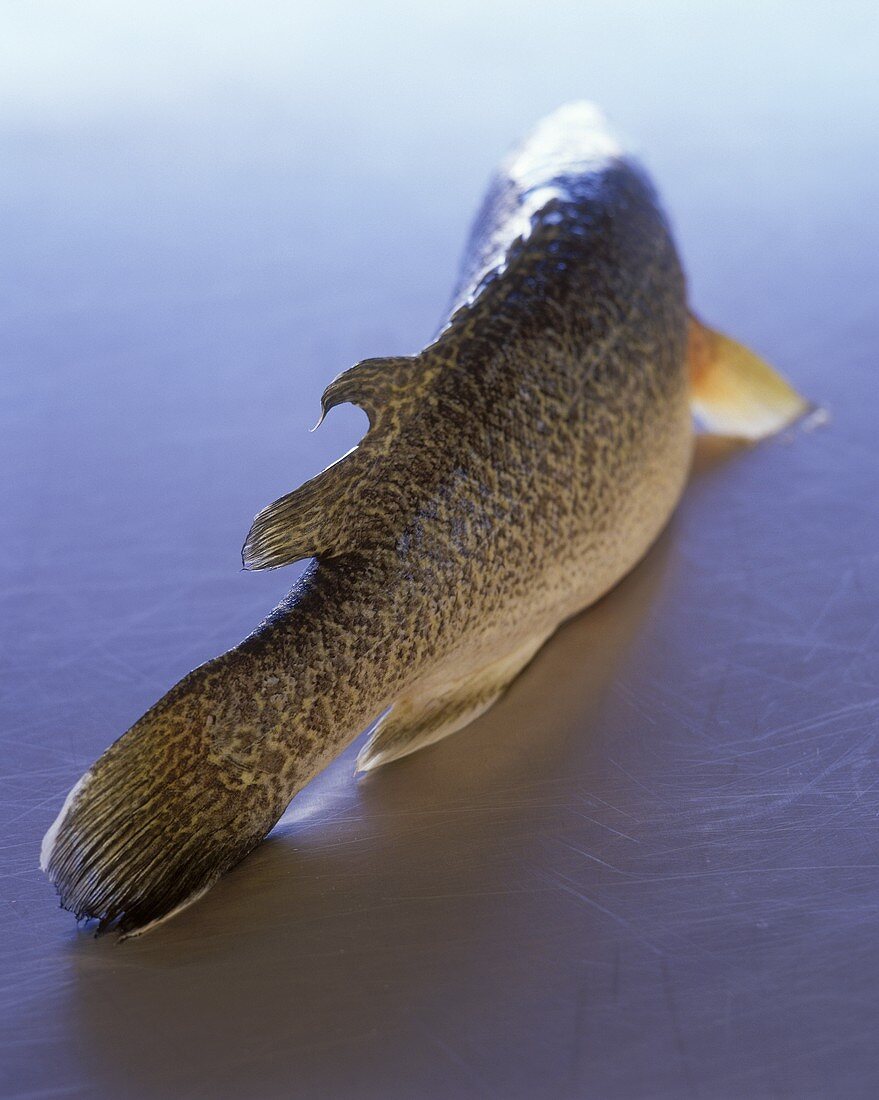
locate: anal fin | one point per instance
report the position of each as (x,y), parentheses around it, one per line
(733,391)
(432,713)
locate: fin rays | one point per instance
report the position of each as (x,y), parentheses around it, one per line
(307,522)
(322,517)
(734,392)
(425,717)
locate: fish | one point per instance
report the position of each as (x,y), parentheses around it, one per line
(513,471)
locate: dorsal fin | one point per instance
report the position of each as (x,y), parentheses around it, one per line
(322,516)
(374,385)
(306,522)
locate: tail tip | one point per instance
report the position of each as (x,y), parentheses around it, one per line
(47,847)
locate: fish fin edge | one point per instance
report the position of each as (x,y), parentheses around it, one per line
(375,385)
(321,517)
(306,523)
(736,393)
(426,716)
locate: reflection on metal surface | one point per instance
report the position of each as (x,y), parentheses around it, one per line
(673,887)
(453,839)
(514,471)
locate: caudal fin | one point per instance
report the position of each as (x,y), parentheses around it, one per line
(735,392)
(158,819)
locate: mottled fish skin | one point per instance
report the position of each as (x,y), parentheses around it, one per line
(513,472)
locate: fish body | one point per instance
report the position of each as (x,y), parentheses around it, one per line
(513,471)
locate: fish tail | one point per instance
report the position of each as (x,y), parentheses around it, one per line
(197,783)
(157,819)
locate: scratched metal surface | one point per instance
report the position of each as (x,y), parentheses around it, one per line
(652,870)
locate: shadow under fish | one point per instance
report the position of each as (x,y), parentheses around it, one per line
(514,471)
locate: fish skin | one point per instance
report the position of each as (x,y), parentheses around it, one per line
(513,472)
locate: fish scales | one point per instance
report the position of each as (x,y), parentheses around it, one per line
(513,471)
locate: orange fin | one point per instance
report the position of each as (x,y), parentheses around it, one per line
(733,391)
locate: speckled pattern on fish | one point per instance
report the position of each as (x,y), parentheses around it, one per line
(513,471)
